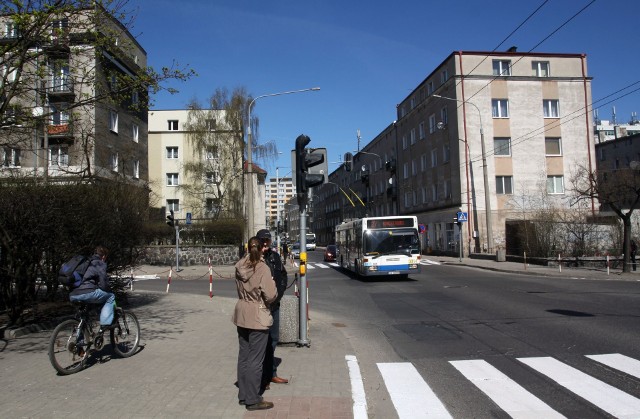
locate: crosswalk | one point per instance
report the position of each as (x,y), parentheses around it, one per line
(327,265)
(412,396)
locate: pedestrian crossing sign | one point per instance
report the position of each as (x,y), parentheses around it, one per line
(462,217)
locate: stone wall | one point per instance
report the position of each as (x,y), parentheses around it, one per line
(189,255)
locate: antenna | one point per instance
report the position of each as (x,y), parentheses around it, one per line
(358,134)
(613,115)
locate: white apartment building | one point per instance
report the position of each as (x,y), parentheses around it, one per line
(278,192)
(196,166)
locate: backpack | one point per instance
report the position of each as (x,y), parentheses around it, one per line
(72,271)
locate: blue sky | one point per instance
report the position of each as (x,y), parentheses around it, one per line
(367,56)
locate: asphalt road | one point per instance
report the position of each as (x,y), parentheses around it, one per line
(449,318)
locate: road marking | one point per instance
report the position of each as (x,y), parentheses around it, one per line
(506,393)
(429,262)
(321,265)
(410,394)
(620,362)
(357,388)
(606,397)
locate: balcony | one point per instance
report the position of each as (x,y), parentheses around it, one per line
(58,43)
(60,89)
(62,130)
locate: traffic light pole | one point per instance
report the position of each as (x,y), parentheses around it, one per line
(177,247)
(303,339)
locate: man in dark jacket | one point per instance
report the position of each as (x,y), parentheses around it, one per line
(95,287)
(279,274)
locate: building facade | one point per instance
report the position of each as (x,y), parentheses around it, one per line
(72,109)
(278,192)
(479,133)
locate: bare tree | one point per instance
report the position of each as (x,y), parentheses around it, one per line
(617,191)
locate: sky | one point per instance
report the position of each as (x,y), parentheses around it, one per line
(367,56)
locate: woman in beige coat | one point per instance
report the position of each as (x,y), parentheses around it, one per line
(256,290)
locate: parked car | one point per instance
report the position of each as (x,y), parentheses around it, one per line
(330,253)
(295,250)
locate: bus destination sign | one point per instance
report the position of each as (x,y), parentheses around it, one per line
(390,223)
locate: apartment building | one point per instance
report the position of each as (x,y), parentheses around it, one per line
(480,133)
(278,192)
(196,166)
(72,106)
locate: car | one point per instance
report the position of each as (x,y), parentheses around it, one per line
(330,253)
(295,250)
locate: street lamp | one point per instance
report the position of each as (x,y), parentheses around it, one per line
(250,209)
(487,198)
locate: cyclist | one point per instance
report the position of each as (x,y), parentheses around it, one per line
(95,287)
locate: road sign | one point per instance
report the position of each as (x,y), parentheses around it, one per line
(462,217)
(188,218)
(421,228)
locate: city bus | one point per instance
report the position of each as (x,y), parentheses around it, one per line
(379,246)
(311,241)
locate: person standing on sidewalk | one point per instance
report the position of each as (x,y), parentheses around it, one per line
(252,317)
(279,275)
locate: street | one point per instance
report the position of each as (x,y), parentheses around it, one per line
(452,341)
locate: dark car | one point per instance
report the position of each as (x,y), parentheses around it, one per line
(330,253)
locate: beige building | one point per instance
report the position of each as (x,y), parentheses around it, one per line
(195,166)
(47,131)
(516,122)
(278,192)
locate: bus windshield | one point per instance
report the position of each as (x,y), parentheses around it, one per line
(388,242)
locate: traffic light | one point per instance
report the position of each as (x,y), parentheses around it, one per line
(170,219)
(304,160)
(348,162)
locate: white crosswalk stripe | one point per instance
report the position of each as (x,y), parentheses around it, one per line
(411,395)
(606,397)
(506,393)
(620,362)
(429,262)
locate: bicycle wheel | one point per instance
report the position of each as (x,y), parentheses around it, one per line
(125,336)
(66,356)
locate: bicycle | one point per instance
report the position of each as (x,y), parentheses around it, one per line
(73,340)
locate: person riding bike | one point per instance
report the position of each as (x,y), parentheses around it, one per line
(95,287)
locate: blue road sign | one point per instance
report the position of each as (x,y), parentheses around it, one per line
(188,218)
(462,217)
(421,228)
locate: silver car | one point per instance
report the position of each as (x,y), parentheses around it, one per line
(295,250)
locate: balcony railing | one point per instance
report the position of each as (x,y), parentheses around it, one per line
(60,130)
(61,88)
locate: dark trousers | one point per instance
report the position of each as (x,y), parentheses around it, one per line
(252,345)
(269,368)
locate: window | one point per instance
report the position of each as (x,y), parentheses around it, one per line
(135,132)
(213,177)
(502,146)
(407,199)
(423,162)
(447,189)
(11,30)
(551,108)
(434,192)
(421,132)
(444,76)
(434,157)
(444,116)
(555,184)
(413,136)
(172,125)
(552,146)
(173,204)
(500,108)
(10,157)
(213,205)
(414,168)
(212,153)
(504,185)
(135,98)
(404,142)
(540,68)
(211,124)
(113,82)
(136,169)
(501,67)
(60,114)
(113,121)
(172,152)
(432,124)
(114,162)
(430,88)
(425,197)
(172,179)
(59,156)
(405,170)
(446,153)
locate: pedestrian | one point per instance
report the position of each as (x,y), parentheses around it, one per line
(252,317)
(95,287)
(279,275)
(285,252)
(634,249)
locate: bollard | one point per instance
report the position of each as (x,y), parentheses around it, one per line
(169,282)
(210,280)
(559,263)
(131,283)
(289,319)
(608,265)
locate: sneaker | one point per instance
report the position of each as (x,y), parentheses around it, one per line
(259,406)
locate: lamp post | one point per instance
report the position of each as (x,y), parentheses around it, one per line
(250,209)
(487,197)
